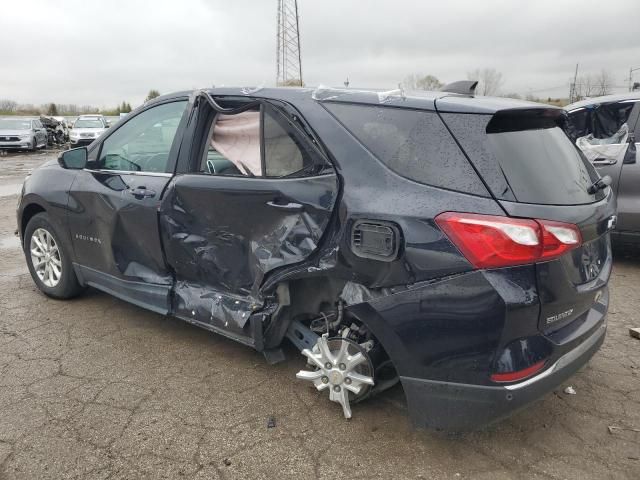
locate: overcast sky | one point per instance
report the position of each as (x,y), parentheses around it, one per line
(104,52)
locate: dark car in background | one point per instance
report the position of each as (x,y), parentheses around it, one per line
(22,134)
(457,245)
(607,129)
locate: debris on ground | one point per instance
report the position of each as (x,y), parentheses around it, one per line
(271,422)
(227,462)
(612,429)
(570,390)
(635,333)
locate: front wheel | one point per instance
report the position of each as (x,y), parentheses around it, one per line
(48,259)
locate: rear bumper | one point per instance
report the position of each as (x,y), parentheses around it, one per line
(457,406)
(446,339)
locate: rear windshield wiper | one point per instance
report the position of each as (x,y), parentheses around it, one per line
(599,184)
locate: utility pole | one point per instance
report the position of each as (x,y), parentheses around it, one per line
(631,70)
(288,55)
(572,87)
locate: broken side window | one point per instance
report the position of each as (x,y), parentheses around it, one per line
(258,143)
(234,145)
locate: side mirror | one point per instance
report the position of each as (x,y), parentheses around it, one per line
(75,159)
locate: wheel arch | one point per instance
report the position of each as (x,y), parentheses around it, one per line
(309,294)
(28,212)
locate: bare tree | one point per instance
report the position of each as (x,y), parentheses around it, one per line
(594,85)
(489,80)
(8,105)
(89,109)
(603,82)
(421,82)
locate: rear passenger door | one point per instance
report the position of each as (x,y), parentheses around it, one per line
(258,197)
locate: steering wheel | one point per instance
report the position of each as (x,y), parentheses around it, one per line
(151,163)
(118,161)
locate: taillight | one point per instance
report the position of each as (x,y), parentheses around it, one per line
(489,241)
(518,375)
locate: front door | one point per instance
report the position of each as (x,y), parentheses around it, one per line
(113,207)
(260,197)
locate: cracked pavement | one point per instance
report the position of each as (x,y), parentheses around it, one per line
(95,388)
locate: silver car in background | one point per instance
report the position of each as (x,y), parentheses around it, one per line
(22,134)
(86,129)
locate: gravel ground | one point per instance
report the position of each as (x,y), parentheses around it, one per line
(97,388)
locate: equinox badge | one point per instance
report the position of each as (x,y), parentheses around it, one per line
(559,316)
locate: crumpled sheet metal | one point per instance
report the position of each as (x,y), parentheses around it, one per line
(354,293)
(201,303)
(220,263)
(610,148)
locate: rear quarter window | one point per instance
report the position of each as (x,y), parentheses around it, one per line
(526,159)
(412,143)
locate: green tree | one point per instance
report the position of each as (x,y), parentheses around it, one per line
(128,108)
(152,94)
(52,110)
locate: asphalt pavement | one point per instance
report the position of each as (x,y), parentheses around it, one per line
(96,388)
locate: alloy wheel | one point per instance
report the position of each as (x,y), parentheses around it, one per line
(45,257)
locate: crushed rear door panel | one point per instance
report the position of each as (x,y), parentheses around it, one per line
(222,235)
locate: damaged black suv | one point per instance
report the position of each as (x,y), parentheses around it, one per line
(455,244)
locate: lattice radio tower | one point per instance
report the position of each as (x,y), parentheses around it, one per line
(288,55)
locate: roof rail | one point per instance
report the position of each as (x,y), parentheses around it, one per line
(464,87)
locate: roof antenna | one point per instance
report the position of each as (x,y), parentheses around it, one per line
(463,87)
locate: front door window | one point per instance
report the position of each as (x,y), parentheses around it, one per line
(144,142)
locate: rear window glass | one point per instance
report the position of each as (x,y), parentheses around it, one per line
(542,166)
(526,160)
(414,144)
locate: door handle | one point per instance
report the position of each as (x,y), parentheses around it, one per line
(604,161)
(290,207)
(142,192)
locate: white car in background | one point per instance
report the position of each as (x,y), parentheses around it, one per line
(86,129)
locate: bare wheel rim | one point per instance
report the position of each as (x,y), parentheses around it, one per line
(45,257)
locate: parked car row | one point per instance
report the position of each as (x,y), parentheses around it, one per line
(457,244)
(33,133)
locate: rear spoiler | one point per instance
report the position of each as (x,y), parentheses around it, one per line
(518,119)
(463,87)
